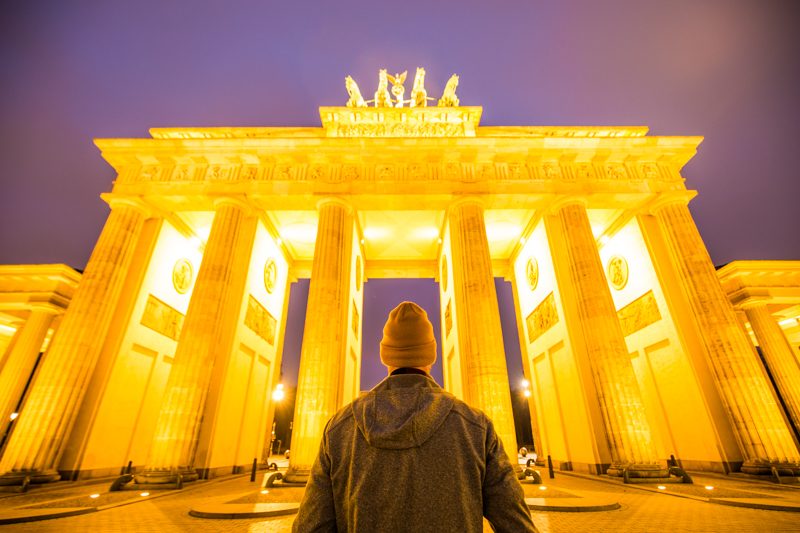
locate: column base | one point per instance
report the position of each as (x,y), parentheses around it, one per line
(638,470)
(297,475)
(765,468)
(19,477)
(166,477)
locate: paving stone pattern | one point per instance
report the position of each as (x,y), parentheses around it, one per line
(641,512)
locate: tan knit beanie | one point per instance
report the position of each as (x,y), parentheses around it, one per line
(408,338)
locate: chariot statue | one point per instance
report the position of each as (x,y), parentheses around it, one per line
(419,96)
(397,87)
(356,100)
(383,97)
(449,98)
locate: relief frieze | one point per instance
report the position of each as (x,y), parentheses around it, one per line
(260,321)
(639,314)
(416,171)
(162,318)
(544,317)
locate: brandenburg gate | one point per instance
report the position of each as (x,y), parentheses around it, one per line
(171,345)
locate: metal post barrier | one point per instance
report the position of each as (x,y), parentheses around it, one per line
(550,467)
(253,471)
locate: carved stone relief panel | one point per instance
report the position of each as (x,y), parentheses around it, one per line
(162,318)
(617,272)
(443,276)
(260,321)
(448,318)
(544,317)
(532,273)
(356,320)
(182,275)
(639,314)
(270,275)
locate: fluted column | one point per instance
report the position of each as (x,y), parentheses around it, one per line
(324,337)
(778,354)
(204,344)
(21,359)
(763,435)
(596,330)
(49,413)
(480,336)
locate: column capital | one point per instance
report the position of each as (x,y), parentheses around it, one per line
(335,200)
(133,202)
(467,200)
(752,302)
(667,199)
(565,201)
(47,308)
(237,201)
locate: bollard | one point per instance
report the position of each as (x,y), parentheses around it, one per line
(253,471)
(550,467)
(130,467)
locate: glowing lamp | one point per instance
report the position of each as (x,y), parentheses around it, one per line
(278,394)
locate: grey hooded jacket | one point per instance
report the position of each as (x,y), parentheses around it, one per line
(409,456)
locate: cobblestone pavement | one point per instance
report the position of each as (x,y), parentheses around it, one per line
(641,512)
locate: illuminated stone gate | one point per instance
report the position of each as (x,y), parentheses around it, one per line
(168,353)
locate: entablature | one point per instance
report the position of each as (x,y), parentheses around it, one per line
(768,282)
(25,287)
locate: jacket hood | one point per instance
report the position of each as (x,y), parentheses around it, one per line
(402,411)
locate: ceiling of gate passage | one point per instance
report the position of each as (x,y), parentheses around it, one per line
(395,236)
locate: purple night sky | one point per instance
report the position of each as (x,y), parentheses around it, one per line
(73,71)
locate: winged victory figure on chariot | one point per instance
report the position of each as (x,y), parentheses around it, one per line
(383,97)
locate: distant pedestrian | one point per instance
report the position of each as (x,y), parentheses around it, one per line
(409,456)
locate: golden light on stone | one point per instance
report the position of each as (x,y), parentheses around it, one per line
(270,275)
(662,487)
(94,496)
(532,273)
(622,369)
(182,275)
(618,272)
(444,273)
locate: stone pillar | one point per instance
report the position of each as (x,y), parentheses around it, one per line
(778,355)
(204,344)
(324,337)
(763,435)
(595,330)
(480,337)
(49,413)
(21,359)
